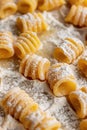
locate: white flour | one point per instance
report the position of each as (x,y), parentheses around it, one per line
(40,91)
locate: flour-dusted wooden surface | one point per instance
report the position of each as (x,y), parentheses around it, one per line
(40,91)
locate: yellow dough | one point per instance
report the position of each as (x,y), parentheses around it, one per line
(31,22)
(61,79)
(77,16)
(68,50)
(78,99)
(6,45)
(20,105)
(7,8)
(25,6)
(49,123)
(82,65)
(49,4)
(24,109)
(78,2)
(34,66)
(26,43)
(83,124)
(84,89)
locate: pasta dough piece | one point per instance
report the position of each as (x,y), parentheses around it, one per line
(82,65)
(77,16)
(31,116)
(68,50)
(26,43)
(7,8)
(6,45)
(78,99)
(11,100)
(32,22)
(25,6)
(83,124)
(34,66)
(78,2)
(48,124)
(21,103)
(61,79)
(49,4)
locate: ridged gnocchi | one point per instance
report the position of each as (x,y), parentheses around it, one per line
(7,8)
(25,6)
(23,108)
(78,99)
(68,50)
(82,65)
(77,16)
(49,4)
(61,79)
(34,66)
(27,43)
(6,45)
(32,22)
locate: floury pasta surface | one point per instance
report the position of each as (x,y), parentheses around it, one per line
(40,91)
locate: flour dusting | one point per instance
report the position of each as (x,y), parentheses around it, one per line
(38,90)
